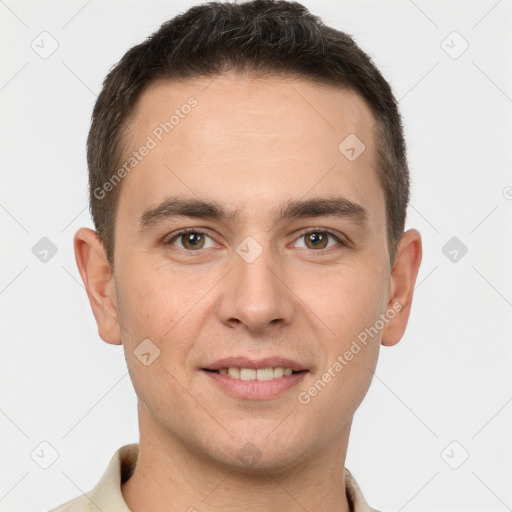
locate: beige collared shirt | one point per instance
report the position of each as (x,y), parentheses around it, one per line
(107,496)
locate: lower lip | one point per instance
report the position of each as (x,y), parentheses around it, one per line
(256,389)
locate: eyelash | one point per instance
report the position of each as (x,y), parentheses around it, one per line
(340,241)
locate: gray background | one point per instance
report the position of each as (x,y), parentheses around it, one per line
(442,394)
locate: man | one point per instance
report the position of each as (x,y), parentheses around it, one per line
(249,186)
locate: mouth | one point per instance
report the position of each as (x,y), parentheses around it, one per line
(260,374)
(249,379)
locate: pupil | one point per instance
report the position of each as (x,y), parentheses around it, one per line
(193,239)
(317,239)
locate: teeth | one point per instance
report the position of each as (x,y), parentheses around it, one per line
(234,373)
(259,374)
(247,374)
(264,374)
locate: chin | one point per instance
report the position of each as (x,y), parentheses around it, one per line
(259,454)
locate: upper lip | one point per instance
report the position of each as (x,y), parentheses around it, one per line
(245,362)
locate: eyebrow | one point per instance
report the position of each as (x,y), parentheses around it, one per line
(339,207)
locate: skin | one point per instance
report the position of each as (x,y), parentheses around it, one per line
(251,144)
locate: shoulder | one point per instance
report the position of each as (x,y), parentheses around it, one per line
(106,495)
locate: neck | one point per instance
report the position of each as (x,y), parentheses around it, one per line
(172,477)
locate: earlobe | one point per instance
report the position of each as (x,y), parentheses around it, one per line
(403,279)
(98,279)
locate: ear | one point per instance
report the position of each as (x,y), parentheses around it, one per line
(403,279)
(99,283)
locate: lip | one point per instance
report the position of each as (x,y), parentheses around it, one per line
(245,362)
(255,389)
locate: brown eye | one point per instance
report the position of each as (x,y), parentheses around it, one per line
(316,240)
(192,240)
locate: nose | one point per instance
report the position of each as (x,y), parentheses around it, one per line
(255,294)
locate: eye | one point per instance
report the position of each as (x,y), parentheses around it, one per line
(318,240)
(191,240)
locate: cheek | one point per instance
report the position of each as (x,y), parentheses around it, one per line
(154,299)
(346,304)
(345,301)
(162,306)
(338,388)
(144,308)
(157,334)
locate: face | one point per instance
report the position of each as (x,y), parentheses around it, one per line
(246,238)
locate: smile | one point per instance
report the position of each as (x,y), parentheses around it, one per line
(255,374)
(255,384)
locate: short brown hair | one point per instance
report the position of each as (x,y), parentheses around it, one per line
(260,37)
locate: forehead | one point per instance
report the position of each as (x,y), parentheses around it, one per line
(251,140)
(241,105)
